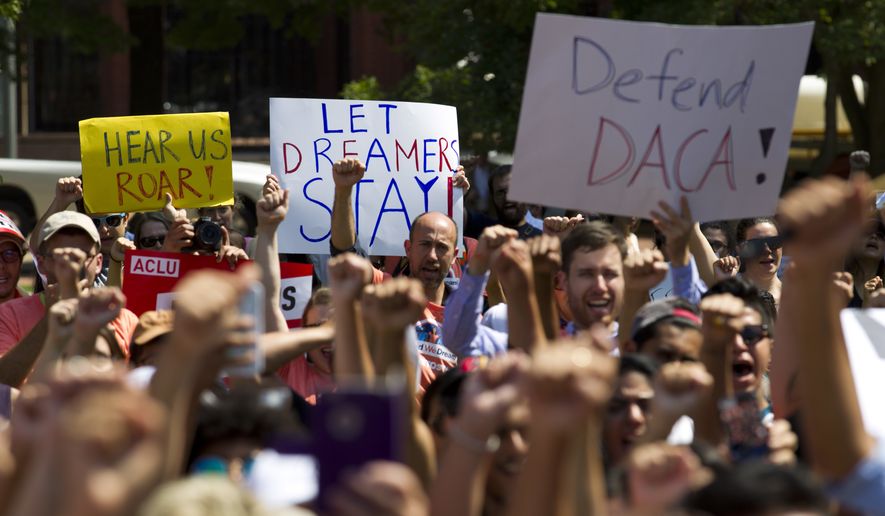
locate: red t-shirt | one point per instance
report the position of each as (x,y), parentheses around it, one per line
(304,379)
(19,316)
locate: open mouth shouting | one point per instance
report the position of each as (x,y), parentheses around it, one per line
(743,373)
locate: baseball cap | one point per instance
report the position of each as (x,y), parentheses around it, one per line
(67,219)
(8,228)
(670,308)
(152,324)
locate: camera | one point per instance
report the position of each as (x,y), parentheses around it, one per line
(207,236)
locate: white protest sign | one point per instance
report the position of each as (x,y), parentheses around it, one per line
(864,332)
(410,151)
(617,116)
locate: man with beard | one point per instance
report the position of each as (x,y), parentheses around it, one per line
(510,214)
(430,250)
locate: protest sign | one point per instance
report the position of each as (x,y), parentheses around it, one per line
(864,333)
(130,163)
(410,152)
(149,278)
(617,116)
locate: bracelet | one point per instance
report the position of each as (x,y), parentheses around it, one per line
(473,444)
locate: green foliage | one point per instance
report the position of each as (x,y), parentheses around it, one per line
(365,88)
(10,9)
(470,54)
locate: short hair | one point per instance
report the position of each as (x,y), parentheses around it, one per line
(422,215)
(321,297)
(499,171)
(140,219)
(446,391)
(636,363)
(762,302)
(723,226)
(592,236)
(758,487)
(745,224)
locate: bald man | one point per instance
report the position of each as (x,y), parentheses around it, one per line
(431,251)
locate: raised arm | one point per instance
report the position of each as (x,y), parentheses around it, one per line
(513,264)
(723,316)
(546,262)
(569,386)
(67,190)
(346,174)
(824,218)
(642,271)
(462,332)
(485,399)
(349,274)
(271,209)
(390,308)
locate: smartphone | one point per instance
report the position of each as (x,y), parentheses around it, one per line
(250,359)
(352,428)
(747,435)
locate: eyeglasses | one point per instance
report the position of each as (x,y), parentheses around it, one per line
(10,255)
(753,333)
(145,242)
(111,221)
(756,246)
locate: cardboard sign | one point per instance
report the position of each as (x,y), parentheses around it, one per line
(149,278)
(130,163)
(864,333)
(617,116)
(410,152)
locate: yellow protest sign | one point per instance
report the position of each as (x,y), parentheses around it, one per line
(130,163)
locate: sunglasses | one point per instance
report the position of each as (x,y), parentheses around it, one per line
(10,256)
(111,221)
(145,242)
(756,246)
(753,333)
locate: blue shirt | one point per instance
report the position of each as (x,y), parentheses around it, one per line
(864,488)
(462,331)
(687,283)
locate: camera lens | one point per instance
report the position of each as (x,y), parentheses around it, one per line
(209,234)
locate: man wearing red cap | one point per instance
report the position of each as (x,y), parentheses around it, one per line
(12,250)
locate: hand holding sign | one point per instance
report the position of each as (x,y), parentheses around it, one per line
(170,212)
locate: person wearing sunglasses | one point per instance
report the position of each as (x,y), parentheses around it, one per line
(760,251)
(150,231)
(866,262)
(12,250)
(751,349)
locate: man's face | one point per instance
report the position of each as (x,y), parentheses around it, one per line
(595,286)
(431,251)
(718,241)
(673,343)
(77,240)
(508,461)
(320,357)
(10,267)
(626,419)
(750,359)
(509,213)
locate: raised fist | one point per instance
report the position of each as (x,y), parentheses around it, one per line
(347,172)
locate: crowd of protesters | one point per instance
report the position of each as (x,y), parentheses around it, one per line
(532,371)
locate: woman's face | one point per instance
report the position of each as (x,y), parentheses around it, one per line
(871,245)
(767,263)
(153,233)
